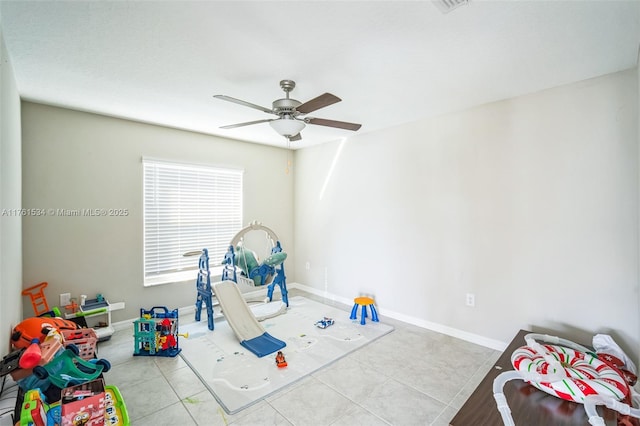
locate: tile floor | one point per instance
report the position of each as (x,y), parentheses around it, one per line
(412,376)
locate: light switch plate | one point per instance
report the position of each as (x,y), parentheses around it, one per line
(65,299)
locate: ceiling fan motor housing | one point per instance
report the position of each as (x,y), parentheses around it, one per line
(285,106)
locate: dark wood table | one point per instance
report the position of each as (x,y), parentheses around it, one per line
(529,406)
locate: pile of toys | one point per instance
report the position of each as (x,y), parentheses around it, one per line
(59,377)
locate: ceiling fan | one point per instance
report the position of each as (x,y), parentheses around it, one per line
(290,111)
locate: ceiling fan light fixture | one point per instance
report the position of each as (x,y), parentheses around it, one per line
(287,126)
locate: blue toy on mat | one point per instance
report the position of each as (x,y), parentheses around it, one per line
(156,332)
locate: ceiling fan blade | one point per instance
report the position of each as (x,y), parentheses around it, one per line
(248,123)
(317,103)
(245,103)
(333,123)
(296,137)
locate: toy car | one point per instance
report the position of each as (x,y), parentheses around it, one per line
(280,361)
(324,323)
(68,369)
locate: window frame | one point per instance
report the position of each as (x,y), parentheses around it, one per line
(179,192)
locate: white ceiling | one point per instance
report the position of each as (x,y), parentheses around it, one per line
(391,62)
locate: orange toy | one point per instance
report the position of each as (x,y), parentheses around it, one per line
(73,306)
(38,299)
(38,328)
(280,361)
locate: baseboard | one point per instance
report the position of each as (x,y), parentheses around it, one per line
(123,325)
(325,294)
(439,328)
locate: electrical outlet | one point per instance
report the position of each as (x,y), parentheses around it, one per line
(307,265)
(471,299)
(65,299)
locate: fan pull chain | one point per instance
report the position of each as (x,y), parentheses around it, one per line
(286,170)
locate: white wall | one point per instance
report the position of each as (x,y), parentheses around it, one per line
(638,141)
(10,200)
(76,160)
(531,204)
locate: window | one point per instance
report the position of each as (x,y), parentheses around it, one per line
(187,207)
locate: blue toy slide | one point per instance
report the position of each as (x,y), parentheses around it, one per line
(244,324)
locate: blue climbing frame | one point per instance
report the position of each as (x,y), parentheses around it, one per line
(203,285)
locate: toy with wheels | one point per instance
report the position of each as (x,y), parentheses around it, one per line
(69,369)
(325,322)
(253,272)
(281,362)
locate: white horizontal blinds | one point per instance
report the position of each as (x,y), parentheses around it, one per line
(187,208)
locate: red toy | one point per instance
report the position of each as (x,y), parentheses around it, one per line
(38,328)
(280,361)
(168,339)
(31,356)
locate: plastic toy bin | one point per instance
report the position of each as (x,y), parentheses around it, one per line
(85,339)
(83,404)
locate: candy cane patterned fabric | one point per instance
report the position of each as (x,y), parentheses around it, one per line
(585,373)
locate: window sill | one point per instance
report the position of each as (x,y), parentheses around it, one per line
(180,277)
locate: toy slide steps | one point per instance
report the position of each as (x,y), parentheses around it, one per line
(242,321)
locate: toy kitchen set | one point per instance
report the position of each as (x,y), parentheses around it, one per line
(96,312)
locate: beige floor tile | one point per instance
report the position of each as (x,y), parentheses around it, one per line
(351,378)
(174,414)
(399,404)
(312,403)
(147,397)
(358,416)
